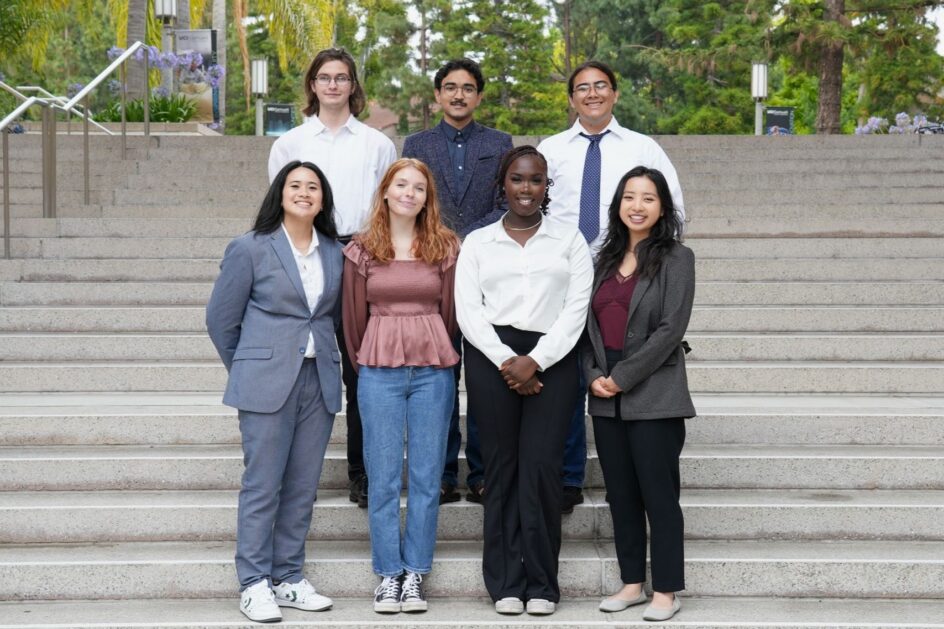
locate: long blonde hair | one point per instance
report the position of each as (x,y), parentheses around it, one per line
(434,241)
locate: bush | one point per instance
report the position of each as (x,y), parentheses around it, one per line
(174,108)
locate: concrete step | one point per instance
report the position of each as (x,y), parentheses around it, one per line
(704,319)
(800,213)
(790,248)
(821,269)
(104,293)
(103,319)
(722,270)
(178,418)
(809,319)
(210,515)
(820,226)
(178,346)
(206,248)
(877,293)
(148,227)
(462,613)
(151,270)
(703,376)
(61,468)
(205,569)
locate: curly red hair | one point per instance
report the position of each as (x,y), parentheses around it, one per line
(434,241)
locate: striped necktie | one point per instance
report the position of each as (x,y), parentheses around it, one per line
(589,221)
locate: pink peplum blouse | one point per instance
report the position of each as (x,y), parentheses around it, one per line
(398,314)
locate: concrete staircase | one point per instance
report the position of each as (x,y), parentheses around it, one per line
(814,474)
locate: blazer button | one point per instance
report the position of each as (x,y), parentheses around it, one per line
(301,350)
(629,335)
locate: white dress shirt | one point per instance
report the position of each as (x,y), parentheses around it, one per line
(354,159)
(312,274)
(620,150)
(541,287)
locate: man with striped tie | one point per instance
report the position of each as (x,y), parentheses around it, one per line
(586,163)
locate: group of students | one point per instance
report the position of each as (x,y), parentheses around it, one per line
(461,253)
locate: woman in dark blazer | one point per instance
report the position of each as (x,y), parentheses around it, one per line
(632,356)
(272,318)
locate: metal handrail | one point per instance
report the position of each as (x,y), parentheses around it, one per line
(60,102)
(9,88)
(120,61)
(16,113)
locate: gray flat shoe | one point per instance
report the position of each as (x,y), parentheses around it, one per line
(657,613)
(614,604)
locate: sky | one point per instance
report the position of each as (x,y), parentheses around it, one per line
(938,16)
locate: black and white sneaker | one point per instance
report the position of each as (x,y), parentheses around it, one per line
(412,598)
(387,596)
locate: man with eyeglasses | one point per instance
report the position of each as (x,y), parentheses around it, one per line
(354,157)
(464,157)
(586,163)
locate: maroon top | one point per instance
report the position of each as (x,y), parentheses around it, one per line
(398,314)
(611,308)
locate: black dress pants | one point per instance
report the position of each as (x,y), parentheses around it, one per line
(522,440)
(640,462)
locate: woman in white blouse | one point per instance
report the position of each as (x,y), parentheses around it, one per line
(522,292)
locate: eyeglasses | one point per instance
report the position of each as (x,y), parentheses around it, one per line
(340,80)
(600,87)
(451,88)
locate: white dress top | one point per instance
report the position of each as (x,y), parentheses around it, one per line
(620,150)
(312,274)
(354,159)
(542,287)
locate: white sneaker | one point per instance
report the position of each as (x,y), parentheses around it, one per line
(301,595)
(258,603)
(540,607)
(509,605)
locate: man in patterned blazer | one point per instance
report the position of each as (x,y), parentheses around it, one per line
(464,157)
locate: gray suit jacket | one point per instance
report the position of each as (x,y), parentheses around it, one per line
(258,319)
(462,209)
(652,370)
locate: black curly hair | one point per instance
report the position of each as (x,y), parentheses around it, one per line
(508,159)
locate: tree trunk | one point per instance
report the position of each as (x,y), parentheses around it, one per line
(183,15)
(219,23)
(830,76)
(137,31)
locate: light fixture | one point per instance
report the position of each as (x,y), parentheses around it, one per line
(260,76)
(165,10)
(759,94)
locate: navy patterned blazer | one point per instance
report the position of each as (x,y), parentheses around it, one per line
(462,210)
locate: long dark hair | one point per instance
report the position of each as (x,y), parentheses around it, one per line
(662,237)
(271,212)
(508,159)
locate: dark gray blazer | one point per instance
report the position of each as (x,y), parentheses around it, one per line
(652,371)
(258,320)
(462,210)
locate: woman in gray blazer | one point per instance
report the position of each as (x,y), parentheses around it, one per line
(633,358)
(272,317)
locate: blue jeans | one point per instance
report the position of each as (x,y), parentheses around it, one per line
(419,399)
(575,450)
(473,454)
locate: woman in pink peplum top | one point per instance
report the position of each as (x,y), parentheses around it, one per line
(399,319)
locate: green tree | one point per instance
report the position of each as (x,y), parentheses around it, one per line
(515,51)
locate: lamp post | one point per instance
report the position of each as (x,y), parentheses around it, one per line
(260,87)
(166,12)
(759,94)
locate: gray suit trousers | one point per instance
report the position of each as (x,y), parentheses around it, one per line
(283,453)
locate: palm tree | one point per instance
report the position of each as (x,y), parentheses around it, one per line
(299,28)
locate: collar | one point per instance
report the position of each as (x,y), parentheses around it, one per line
(353,125)
(311,247)
(550,227)
(450,131)
(613,127)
